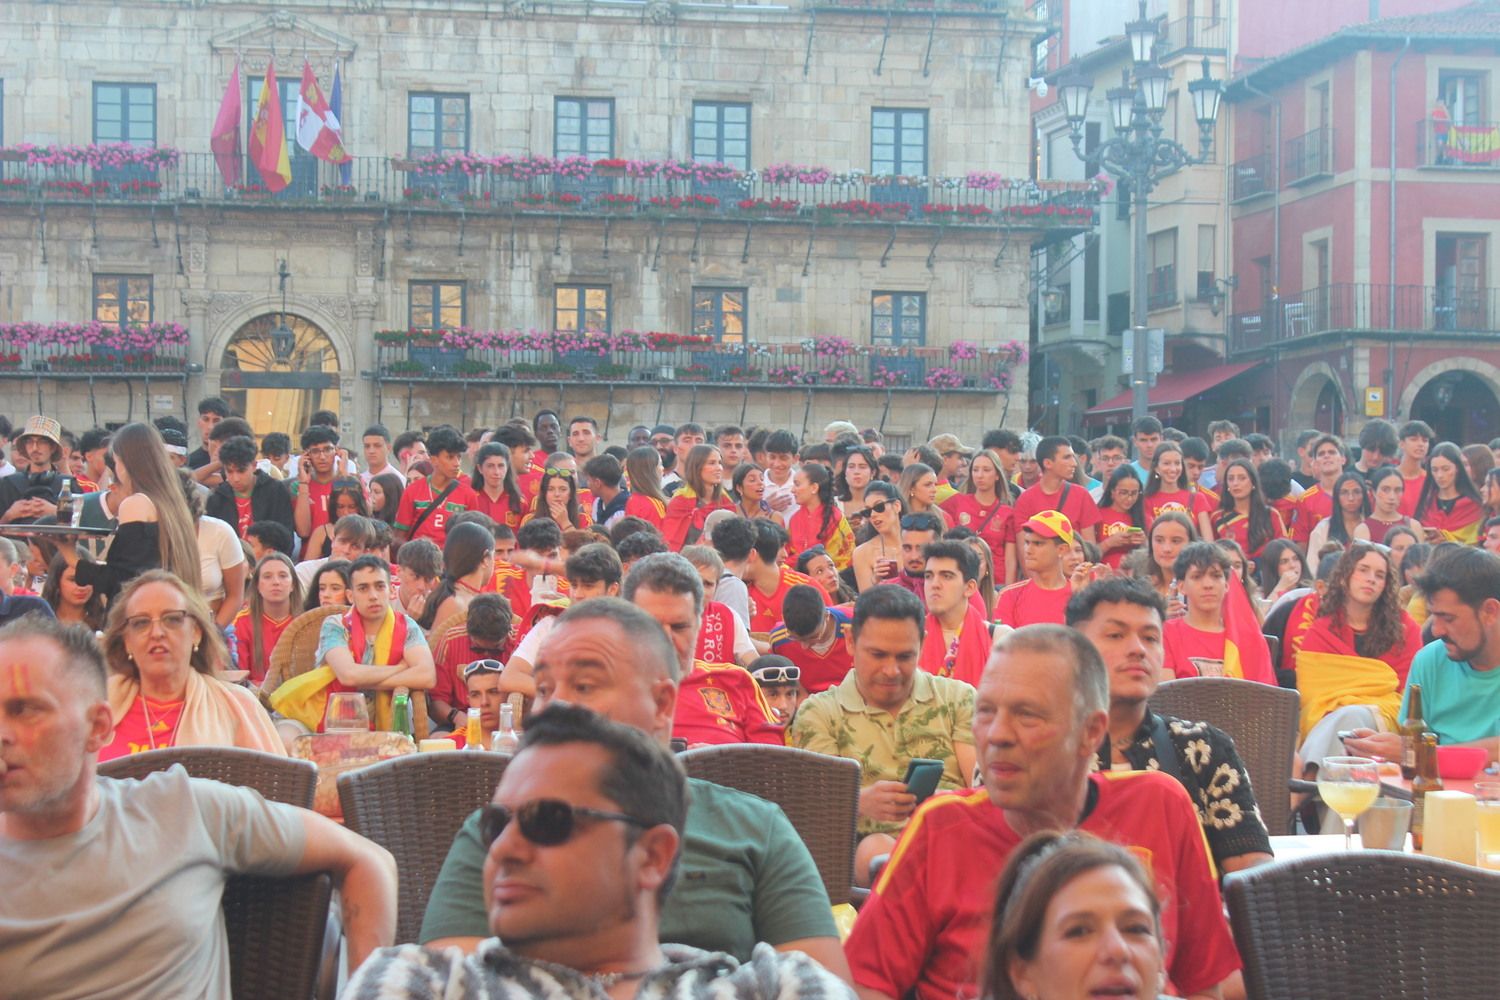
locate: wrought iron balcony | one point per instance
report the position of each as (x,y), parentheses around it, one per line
(381,183)
(1252,177)
(1193,36)
(568,356)
(1309,156)
(29,350)
(1474,146)
(1421,312)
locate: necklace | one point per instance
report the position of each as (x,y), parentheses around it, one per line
(151,726)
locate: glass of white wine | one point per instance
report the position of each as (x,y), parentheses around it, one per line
(1348,786)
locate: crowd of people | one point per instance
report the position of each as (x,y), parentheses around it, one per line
(995,617)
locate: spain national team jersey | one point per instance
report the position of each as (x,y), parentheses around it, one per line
(765,609)
(923,930)
(722,703)
(820,671)
(419,496)
(1026,603)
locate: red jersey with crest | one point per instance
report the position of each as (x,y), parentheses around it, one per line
(721,703)
(419,496)
(991,522)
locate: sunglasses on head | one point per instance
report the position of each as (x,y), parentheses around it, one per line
(488,666)
(563,473)
(544,822)
(779,675)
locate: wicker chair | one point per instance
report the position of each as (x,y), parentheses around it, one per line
(1262,721)
(413,806)
(1366,924)
(279,779)
(276,927)
(818,793)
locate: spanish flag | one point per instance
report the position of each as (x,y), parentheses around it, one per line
(268,150)
(1245,651)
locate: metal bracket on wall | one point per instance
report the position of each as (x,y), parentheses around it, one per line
(807,260)
(661,235)
(608,223)
(812,23)
(697,235)
(1004,37)
(744,405)
(557,238)
(177,235)
(463,226)
(745,253)
(884,39)
(513,239)
(1004,245)
(806,413)
(408,243)
(155,242)
(888,247)
(380,231)
(41,222)
(936,240)
(609,410)
(931,33)
(94,227)
(885,412)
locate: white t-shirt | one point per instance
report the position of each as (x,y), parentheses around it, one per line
(365,477)
(531,642)
(129,905)
(784,489)
(218,549)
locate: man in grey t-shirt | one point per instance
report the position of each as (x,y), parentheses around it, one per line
(112,888)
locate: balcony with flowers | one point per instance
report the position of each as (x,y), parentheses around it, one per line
(530,184)
(634,356)
(90,349)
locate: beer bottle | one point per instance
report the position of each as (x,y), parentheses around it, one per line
(1411,732)
(401,714)
(65,502)
(1427,780)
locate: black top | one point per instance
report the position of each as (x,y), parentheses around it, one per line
(21,485)
(1210,769)
(198,459)
(136,548)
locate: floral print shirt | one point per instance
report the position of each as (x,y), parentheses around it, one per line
(1214,776)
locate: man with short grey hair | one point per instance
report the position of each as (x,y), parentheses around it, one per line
(1040,711)
(749,877)
(13,605)
(717,702)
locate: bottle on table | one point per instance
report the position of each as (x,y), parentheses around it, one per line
(1411,732)
(401,714)
(65,502)
(1427,780)
(473,730)
(506,739)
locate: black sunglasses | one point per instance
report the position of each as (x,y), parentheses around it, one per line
(879,508)
(488,666)
(544,822)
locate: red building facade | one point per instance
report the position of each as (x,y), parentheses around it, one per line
(1365,213)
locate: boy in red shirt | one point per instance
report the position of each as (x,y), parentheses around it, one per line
(420,514)
(1044,596)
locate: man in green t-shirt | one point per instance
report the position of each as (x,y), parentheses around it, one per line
(746,876)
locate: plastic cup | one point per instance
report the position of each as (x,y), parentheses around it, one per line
(1488,795)
(1383,826)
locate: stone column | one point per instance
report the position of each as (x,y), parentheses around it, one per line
(197,303)
(360,391)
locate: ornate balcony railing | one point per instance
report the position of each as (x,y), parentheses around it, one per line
(800,195)
(569,356)
(1420,311)
(1475,146)
(63,349)
(1195,35)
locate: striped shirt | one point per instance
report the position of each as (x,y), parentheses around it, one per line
(495,973)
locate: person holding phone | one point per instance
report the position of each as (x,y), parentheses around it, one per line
(886,712)
(1122,515)
(878,558)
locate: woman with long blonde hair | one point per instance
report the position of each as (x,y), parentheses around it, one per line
(156,528)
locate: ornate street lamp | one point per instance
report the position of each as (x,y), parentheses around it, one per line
(283,339)
(1139,155)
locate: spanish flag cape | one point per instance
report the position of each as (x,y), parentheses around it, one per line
(1330,675)
(305,697)
(963,659)
(1246,654)
(1460,525)
(838,541)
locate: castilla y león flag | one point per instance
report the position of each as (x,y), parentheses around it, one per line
(225,141)
(268,137)
(318,129)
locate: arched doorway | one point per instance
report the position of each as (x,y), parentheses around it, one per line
(279,385)
(1459,406)
(1328,413)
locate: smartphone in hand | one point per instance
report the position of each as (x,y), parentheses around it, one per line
(922,777)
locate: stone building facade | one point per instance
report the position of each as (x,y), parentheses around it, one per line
(929,93)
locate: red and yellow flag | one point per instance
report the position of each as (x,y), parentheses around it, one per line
(268,150)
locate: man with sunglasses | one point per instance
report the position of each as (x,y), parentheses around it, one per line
(583,842)
(751,877)
(780,681)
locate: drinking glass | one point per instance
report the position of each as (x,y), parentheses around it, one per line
(1488,794)
(346,712)
(1348,785)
